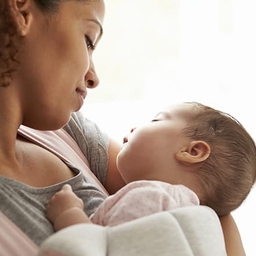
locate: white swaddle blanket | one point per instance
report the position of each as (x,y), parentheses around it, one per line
(187,231)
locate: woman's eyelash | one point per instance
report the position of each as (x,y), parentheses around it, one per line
(89,43)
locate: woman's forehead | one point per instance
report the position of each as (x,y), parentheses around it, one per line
(89,9)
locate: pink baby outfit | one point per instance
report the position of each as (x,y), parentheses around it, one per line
(141,198)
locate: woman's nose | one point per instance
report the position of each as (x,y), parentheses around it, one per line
(91,78)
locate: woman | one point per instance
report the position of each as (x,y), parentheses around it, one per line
(46,67)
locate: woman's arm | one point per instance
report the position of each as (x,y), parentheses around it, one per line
(114,180)
(234,245)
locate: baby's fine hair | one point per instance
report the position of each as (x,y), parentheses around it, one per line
(227,176)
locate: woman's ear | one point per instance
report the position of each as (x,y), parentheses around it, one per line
(22,15)
(195,152)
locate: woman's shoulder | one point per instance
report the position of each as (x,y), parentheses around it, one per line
(82,128)
(93,142)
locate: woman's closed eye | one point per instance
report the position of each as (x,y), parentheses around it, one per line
(89,43)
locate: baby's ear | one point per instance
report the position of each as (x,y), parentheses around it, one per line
(22,15)
(195,152)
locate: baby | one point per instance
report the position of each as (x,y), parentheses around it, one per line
(189,154)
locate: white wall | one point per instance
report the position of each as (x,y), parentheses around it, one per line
(158,52)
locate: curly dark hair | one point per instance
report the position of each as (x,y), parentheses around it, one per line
(8,42)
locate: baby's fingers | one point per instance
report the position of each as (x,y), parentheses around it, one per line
(67,188)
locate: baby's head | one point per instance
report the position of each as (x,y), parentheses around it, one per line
(195,145)
(228,174)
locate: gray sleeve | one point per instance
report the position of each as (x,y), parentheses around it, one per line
(92,141)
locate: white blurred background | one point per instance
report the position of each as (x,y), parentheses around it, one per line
(158,52)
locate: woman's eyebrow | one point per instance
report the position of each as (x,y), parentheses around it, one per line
(99,24)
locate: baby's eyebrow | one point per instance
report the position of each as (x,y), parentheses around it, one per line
(163,113)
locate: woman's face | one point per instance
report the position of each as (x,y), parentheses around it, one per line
(56,65)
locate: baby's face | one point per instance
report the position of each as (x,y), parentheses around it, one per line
(149,151)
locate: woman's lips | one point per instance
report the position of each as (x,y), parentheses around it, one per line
(82,95)
(82,92)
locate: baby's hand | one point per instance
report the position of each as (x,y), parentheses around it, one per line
(62,201)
